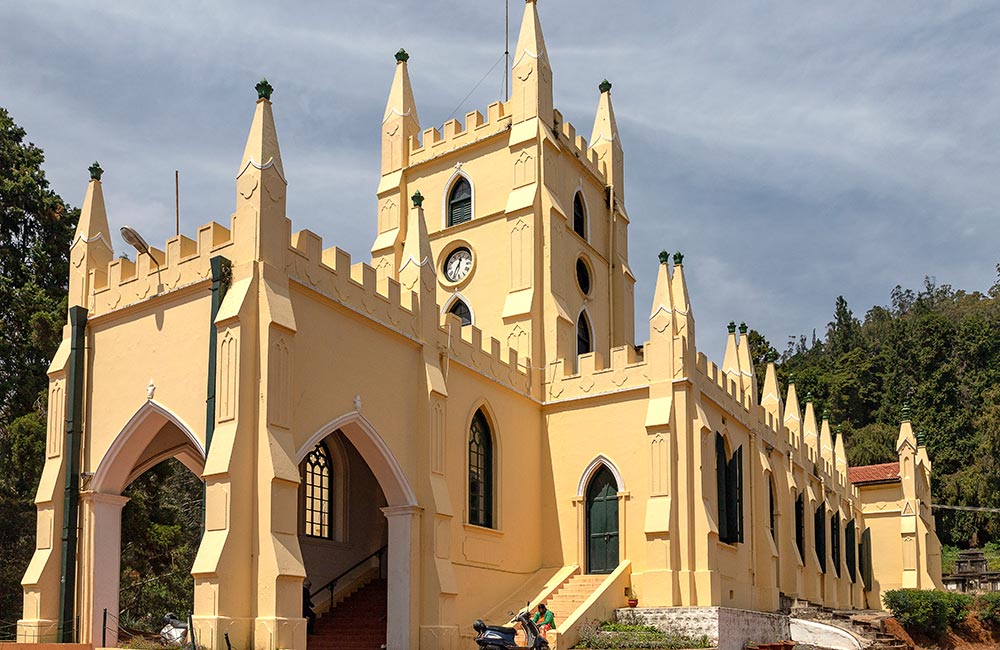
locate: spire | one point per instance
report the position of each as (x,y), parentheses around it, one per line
(261,228)
(400,121)
(531,94)
(771,400)
(810,432)
(749,377)
(684,348)
(605,141)
(826,440)
(906,437)
(731,362)
(660,353)
(793,416)
(416,270)
(839,451)
(91,248)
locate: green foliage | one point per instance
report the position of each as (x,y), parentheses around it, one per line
(633,635)
(161,528)
(937,350)
(988,608)
(929,612)
(36,227)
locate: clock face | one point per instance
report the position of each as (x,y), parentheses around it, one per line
(458,264)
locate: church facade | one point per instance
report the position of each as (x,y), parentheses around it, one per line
(467,416)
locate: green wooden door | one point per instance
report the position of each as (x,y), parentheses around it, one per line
(602,523)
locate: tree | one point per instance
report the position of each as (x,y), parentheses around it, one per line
(36,227)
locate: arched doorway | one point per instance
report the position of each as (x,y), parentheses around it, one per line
(401,563)
(602,522)
(152,436)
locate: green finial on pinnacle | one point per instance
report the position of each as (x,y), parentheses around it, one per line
(836,433)
(772,356)
(743,328)
(732,327)
(664,257)
(679,258)
(791,379)
(95,171)
(809,397)
(921,438)
(402,56)
(906,412)
(418,199)
(826,413)
(264,90)
(605,86)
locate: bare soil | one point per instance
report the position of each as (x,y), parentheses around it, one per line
(970,635)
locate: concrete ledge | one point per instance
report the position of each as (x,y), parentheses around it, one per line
(727,628)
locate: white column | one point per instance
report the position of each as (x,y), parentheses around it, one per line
(101,542)
(403,576)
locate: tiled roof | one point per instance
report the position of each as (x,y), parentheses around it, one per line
(873,473)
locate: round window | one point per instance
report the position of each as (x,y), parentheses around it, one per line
(583,276)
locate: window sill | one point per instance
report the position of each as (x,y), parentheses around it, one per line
(482,530)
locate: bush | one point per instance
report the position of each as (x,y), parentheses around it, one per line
(633,636)
(988,608)
(929,612)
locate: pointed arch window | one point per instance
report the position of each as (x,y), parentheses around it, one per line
(480,471)
(460,309)
(850,548)
(584,341)
(800,525)
(835,542)
(579,216)
(318,480)
(819,534)
(772,507)
(729,477)
(460,202)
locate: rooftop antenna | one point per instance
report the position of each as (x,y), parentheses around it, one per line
(506,52)
(177,202)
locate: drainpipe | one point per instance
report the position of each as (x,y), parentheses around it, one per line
(222,273)
(71,498)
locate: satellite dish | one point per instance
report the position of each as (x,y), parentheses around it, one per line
(134,239)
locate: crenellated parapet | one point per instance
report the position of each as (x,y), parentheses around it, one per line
(436,142)
(576,145)
(185,262)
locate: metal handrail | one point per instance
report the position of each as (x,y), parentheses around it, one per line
(331,585)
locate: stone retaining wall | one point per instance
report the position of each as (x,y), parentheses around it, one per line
(729,629)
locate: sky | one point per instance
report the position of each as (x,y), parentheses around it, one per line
(794,151)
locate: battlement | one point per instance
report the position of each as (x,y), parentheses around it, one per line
(452,136)
(577,145)
(497,362)
(593,376)
(184,262)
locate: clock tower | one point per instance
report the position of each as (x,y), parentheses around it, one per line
(526,219)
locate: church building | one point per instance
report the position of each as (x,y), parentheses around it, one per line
(455,427)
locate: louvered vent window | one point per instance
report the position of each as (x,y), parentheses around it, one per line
(460,202)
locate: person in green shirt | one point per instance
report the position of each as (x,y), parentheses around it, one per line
(544,620)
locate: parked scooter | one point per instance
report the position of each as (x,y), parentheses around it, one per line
(174,631)
(496,637)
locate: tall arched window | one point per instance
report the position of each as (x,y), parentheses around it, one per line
(584,342)
(460,309)
(460,202)
(319,493)
(579,216)
(480,471)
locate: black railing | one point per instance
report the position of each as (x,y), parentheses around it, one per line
(380,554)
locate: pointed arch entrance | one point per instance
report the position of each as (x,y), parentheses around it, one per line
(602,522)
(402,516)
(152,435)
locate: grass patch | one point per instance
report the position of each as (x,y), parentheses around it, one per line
(632,636)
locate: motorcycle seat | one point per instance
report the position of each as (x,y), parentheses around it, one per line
(501,630)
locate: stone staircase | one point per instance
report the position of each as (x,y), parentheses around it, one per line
(358,622)
(570,595)
(867,624)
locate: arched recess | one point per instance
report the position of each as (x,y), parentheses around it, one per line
(446,195)
(599,460)
(402,513)
(496,499)
(153,434)
(584,333)
(456,298)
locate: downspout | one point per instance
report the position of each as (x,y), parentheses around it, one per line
(222,273)
(611,268)
(71,498)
